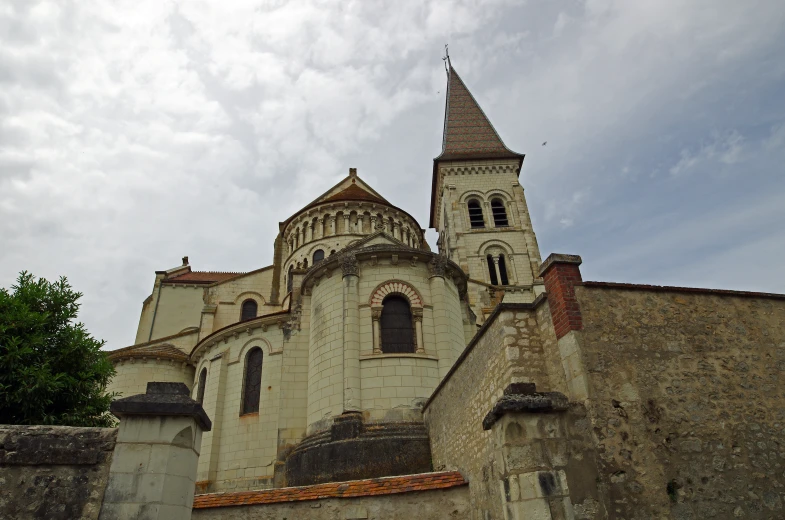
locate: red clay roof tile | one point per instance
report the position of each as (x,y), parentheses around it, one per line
(354,488)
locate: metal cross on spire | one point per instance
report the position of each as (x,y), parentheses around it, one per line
(446,59)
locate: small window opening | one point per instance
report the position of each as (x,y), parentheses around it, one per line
(318,256)
(492,271)
(503,271)
(202,384)
(253,381)
(289,279)
(248,310)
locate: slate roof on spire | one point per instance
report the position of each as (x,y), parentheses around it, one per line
(468,134)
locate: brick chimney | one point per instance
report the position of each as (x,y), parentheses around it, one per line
(560,274)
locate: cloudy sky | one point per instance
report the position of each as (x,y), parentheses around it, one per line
(135,132)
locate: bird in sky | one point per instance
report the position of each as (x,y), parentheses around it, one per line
(546,142)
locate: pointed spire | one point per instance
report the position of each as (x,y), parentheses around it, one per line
(468,134)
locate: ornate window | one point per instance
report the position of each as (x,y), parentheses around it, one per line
(252,386)
(397,330)
(475,214)
(289,279)
(201,385)
(499,213)
(318,256)
(249,310)
(492,270)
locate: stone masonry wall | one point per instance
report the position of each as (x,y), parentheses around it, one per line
(508,349)
(687,401)
(54,472)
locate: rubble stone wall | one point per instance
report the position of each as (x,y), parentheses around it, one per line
(687,401)
(54,472)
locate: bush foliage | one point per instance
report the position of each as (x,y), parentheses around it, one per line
(52,371)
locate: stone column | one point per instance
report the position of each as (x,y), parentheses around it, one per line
(351,335)
(417,316)
(531,453)
(153,469)
(332,225)
(498,273)
(376,314)
(346,229)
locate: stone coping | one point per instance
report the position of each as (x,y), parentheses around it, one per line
(349,489)
(558,258)
(692,290)
(480,333)
(162,399)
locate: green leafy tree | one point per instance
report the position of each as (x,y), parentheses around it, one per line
(52,371)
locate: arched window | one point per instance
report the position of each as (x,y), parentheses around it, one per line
(397,331)
(201,385)
(499,213)
(492,270)
(289,279)
(318,256)
(503,271)
(475,214)
(252,386)
(248,310)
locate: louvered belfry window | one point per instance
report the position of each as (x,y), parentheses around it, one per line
(499,213)
(249,310)
(253,381)
(202,384)
(475,214)
(396,324)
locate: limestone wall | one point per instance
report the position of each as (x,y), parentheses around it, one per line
(229,296)
(54,472)
(687,401)
(507,349)
(132,375)
(179,307)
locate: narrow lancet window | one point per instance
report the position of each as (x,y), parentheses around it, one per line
(475,214)
(397,330)
(201,385)
(252,386)
(499,213)
(289,279)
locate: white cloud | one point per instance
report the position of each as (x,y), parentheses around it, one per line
(134,132)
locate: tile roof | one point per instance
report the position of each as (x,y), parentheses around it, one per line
(354,192)
(468,134)
(354,488)
(165,351)
(201,277)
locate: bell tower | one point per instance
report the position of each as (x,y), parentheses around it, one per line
(478,206)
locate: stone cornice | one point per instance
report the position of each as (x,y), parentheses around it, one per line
(279,319)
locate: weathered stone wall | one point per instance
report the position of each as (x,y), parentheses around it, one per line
(508,349)
(445,504)
(687,401)
(54,472)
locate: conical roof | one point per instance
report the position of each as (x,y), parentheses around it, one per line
(468,134)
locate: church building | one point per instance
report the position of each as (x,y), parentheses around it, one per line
(508,384)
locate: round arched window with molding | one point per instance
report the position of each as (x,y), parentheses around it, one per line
(396,326)
(318,256)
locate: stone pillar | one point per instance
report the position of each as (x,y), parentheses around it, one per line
(498,273)
(332,225)
(208,318)
(376,314)
(153,469)
(214,397)
(531,453)
(352,400)
(440,319)
(346,229)
(417,316)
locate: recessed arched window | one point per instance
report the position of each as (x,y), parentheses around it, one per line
(492,270)
(249,310)
(503,271)
(289,279)
(202,383)
(318,256)
(252,386)
(397,331)
(499,213)
(475,214)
